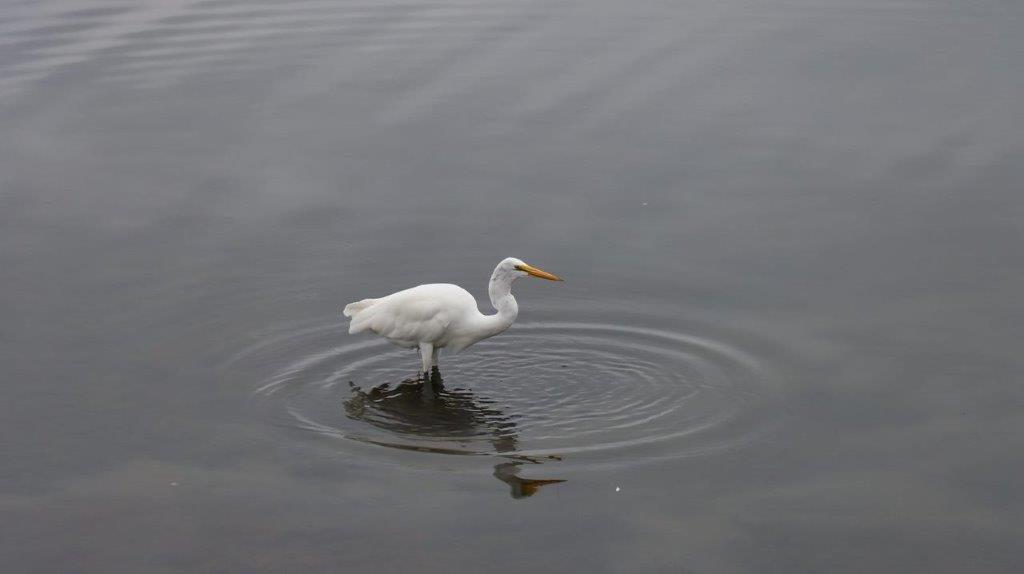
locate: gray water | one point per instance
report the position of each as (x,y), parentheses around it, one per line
(789,339)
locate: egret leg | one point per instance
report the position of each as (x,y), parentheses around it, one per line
(426,354)
(435,373)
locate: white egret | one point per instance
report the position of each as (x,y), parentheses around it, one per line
(441,315)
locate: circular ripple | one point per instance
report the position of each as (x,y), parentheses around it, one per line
(538,390)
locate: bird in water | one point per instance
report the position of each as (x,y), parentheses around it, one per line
(441,315)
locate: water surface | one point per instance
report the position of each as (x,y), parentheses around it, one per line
(788,340)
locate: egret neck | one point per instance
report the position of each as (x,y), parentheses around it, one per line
(500,290)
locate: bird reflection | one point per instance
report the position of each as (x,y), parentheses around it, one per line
(508,472)
(426,408)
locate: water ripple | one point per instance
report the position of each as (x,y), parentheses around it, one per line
(182,39)
(568,390)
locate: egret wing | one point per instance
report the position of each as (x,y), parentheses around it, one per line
(419,314)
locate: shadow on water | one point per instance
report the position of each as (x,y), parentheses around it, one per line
(422,408)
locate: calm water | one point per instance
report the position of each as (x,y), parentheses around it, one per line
(789,339)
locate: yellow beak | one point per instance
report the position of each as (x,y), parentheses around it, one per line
(538,272)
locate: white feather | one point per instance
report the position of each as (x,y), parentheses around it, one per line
(441,315)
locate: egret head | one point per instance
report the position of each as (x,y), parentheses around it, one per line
(519,268)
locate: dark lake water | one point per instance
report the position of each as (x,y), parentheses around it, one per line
(789,339)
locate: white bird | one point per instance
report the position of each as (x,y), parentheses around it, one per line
(441,315)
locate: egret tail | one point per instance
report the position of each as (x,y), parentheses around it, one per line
(352,308)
